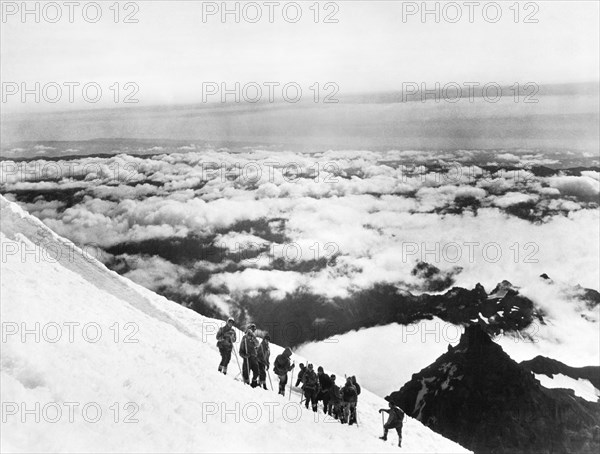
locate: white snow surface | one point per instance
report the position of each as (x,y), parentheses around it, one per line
(155,361)
(386,356)
(582,388)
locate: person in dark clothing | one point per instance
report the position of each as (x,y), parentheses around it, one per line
(281,367)
(226,337)
(263,355)
(324,386)
(334,399)
(349,398)
(395,418)
(356,385)
(300,374)
(249,351)
(358,389)
(311,387)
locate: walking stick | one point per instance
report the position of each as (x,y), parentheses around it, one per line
(269,374)
(291,382)
(237,360)
(247,362)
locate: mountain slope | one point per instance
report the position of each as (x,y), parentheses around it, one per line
(477,395)
(585,381)
(142,366)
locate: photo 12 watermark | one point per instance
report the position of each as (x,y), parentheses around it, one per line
(70,412)
(269,92)
(256,412)
(441,332)
(470,12)
(453,92)
(71,92)
(291,331)
(69,332)
(469,251)
(270,12)
(12,172)
(36,12)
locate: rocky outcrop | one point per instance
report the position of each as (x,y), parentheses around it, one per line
(302,317)
(476,395)
(551,367)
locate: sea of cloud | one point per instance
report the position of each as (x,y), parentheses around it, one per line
(219,224)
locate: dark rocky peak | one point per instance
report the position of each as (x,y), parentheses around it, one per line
(476,395)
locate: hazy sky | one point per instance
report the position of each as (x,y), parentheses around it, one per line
(171,51)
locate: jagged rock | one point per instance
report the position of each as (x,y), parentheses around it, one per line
(503,311)
(551,367)
(476,395)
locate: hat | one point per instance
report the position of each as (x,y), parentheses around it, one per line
(230,319)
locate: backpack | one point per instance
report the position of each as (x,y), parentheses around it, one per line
(399,413)
(244,346)
(263,353)
(325,382)
(310,379)
(349,393)
(224,338)
(280,365)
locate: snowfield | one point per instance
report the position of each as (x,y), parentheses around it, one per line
(92,362)
(582,387)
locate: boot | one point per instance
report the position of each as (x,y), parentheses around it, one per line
(220,368)
(264,386)
(254,384)
(384,438)
(225,370)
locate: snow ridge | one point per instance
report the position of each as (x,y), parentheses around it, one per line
(92,362)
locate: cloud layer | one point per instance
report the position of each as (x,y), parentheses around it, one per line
(211,227)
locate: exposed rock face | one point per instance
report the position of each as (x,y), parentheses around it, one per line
(504,310)
(476,395)
(551,367)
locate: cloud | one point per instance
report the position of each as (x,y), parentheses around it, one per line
(346,219)
(585,187)
(513,198)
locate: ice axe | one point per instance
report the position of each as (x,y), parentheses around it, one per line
(238,361)
(291,382)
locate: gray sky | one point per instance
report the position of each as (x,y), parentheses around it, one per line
(170,52)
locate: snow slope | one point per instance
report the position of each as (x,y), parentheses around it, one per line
(581,387)
(108,366)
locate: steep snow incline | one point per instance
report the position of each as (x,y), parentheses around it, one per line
(109,366)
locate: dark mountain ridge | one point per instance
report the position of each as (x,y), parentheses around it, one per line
(476,395)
